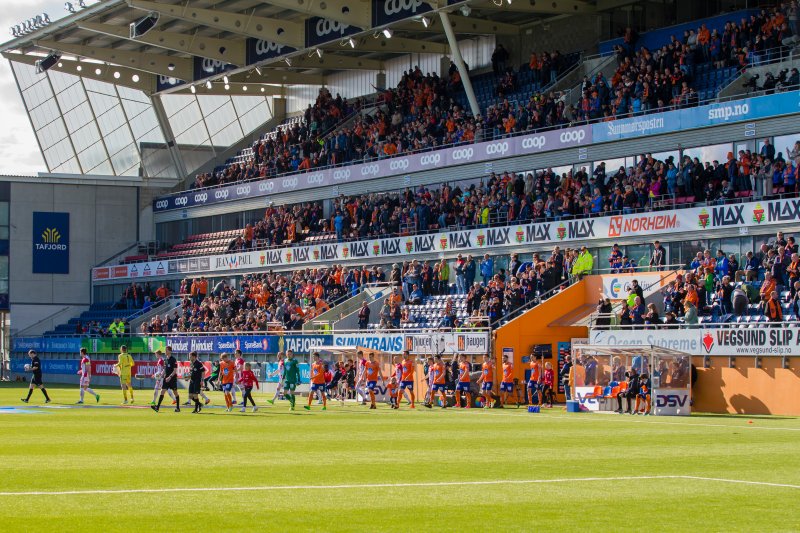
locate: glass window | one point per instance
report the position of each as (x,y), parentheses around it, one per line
(785,144)
(639,253)
(716,152)
(690,248)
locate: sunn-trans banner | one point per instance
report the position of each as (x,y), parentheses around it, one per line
(697,220)
(723,341)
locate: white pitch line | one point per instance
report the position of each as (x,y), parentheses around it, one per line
(396,485)
(742,482)
(327,487)
(628,419)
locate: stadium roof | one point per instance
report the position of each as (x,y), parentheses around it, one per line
(223,38)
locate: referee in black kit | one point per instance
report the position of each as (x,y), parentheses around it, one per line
(36,379)
(196,373)
(170,381)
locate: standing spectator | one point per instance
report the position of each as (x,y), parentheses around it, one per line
(487,269)
(469,272)
(658,260)
(363,316)
(768,150)
(461,287)
(773,310)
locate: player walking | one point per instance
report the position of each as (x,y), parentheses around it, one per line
(361,377)
(534,383)
(291,377)
(439,382)
(407,379)
(317,383)
(248,380)
(280,371)
(462,386)
(373,374)
(391,390)
(237,374)
(196,372)
(227,370)
(486,381)
(124,367)
(35,368)
(507,385)
(548,382)
(85,372)
(158,376)
(170,382)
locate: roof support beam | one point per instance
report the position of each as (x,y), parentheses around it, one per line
(397,45)
(462,25)
(278,31)
(550,7)
(225,50)
(153,63)
(283,77)
(147,82)
(236,89)
(331,62)
(353,12)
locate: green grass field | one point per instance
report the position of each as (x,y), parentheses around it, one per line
(351,469)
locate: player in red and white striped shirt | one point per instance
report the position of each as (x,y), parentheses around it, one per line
(85,372)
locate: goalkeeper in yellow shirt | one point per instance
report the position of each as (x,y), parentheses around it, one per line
(124,368)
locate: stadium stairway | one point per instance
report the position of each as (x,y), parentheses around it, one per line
(736,83)
(344,316)
(161,308)
(101,313)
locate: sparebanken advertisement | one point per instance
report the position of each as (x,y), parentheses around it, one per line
(697,220)
(727,341)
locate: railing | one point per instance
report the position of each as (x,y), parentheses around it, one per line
(533,302)
(493,222)
(774,55)
(698,326)
(52,316)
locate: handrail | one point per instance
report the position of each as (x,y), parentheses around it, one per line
(45,319)
(293,332)
(489,136)
(698,326)
(536,300)
(780,50)
(645,209)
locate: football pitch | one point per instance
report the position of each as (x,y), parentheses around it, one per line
(110,468)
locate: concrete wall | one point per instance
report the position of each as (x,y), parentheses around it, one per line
(103,221)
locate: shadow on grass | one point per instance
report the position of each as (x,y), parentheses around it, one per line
(729,416)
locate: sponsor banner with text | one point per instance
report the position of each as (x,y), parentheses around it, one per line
(46,344)
(696,220)
(726,341)
(113,344)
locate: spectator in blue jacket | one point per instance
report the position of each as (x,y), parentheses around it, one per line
(487,269)
(721,268)
(469,272)
(637,311)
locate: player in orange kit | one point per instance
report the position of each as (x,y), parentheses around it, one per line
(534,382)
(486,381)
(507,385)
(373,374)
(438,371)
(227,370)
(462,386)
(407,378)
(317,383)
